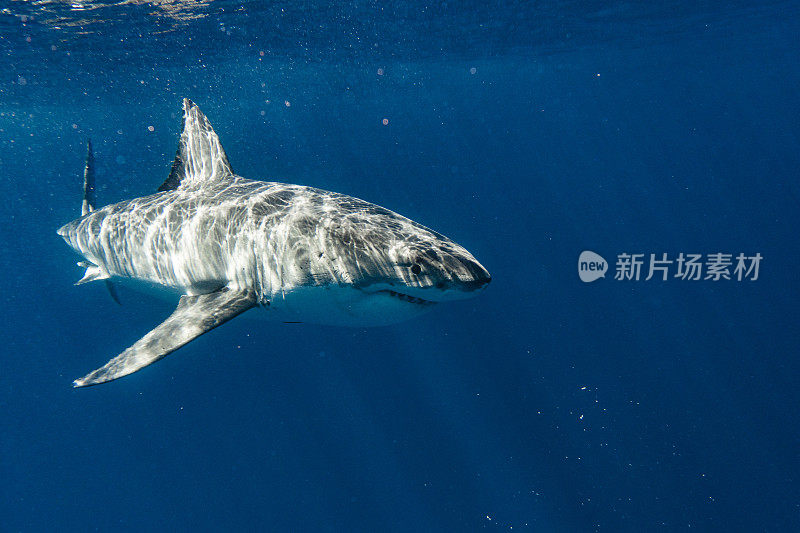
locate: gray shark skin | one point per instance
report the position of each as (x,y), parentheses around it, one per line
(228,244)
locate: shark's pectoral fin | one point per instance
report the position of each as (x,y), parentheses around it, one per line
(194,316)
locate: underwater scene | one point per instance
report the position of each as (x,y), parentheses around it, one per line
(500,266)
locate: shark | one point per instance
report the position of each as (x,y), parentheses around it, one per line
(223,245)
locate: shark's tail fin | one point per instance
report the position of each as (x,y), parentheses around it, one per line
(88,182)
(93,272)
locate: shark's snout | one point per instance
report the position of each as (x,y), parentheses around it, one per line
(479,277)
(457,277)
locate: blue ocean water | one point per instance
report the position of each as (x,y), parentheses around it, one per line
(527,131)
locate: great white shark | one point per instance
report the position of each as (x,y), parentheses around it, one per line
(227,244)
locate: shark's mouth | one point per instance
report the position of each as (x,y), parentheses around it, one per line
(407,298)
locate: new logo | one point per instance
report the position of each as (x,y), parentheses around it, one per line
(591,266)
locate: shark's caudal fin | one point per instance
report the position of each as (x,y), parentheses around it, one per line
(88,182)
(93,272)
(194,316)
(200,160)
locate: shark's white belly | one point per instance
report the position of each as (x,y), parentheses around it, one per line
(341,306)
(325,304)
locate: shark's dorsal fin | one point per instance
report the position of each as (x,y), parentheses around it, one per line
(88,182)
(200,160)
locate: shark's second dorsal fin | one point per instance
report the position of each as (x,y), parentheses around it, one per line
(88,182)
(200,160)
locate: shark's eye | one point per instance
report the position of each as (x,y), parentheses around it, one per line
(416,269)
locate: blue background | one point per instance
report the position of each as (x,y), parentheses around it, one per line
(544,404)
